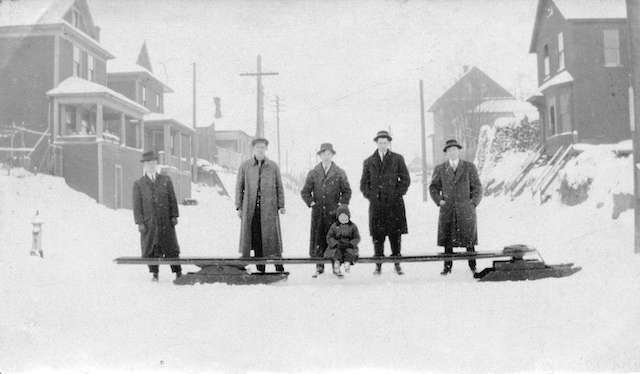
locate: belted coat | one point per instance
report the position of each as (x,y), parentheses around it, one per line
(461,192)
(323,193)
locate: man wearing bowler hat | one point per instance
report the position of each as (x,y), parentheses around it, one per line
(456,189)
(385,180)
(155,211)
(326,187)
(259,200)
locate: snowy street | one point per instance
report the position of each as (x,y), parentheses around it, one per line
(76,310)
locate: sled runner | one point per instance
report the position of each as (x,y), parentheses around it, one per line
(232,270)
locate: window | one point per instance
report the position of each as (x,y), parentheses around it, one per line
(91,63)
(157,100)
(75,18)
(133,135)
(560,51)
(77,62)
(611,47)
(565,112)
(144,95)
(69,120)
(547,69)
(552,116)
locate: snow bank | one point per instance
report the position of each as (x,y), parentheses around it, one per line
(75,310)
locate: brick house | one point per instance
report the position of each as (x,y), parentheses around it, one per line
(582,65)
(53,79)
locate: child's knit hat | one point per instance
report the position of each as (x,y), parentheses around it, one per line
(343,209)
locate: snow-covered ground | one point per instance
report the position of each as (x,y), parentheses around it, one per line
(75,310)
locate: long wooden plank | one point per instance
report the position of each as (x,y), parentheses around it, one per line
(207,261)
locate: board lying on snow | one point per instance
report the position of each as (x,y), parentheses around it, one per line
(233,271)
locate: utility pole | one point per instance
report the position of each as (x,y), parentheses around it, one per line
(259,95)
(278,128)
(194,142)
(633,21)
(425,189)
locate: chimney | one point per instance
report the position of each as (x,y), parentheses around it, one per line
(465,69)
(216,102)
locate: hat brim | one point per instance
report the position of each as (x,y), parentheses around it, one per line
(382,136)
(150,159)
(327,149)
(452,145)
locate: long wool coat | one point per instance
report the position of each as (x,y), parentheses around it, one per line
(384,184)
(461,191)
(272,199)
(154,205)
(327,192)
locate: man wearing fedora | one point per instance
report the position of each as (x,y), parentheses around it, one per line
(385,180)
(259,200)
(326,187)
(155,211)
(456,189)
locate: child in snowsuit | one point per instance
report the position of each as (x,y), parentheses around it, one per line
(342,241)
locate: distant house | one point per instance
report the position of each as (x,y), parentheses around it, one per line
(234,146)
(207,149)
(53,80)
(583,63)
(453,112)
(172,139)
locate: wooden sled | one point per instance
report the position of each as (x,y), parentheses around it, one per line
(233,271)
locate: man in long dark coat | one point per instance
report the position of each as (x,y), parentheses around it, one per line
(259,199)
(325,188)
(155,211)
(385,180)
(455,188)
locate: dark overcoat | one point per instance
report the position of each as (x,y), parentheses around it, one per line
(461,191)
(327,192)
(272,193)
(384,183)
(154,205)
(346,234)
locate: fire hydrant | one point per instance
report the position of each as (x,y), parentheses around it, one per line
(36,246)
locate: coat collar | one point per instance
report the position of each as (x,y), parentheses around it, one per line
(455,174)
(254,161)
(376,158)
(320,169)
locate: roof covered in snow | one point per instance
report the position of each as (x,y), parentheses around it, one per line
(74,86)
(163,117)
(592,9)
(505,105)
(33,12)
(121,66)
(558,79)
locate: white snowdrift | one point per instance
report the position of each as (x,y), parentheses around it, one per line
(75,310)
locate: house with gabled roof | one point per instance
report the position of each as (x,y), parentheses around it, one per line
(583,65)
(53,80)
(173,140)
(453,115)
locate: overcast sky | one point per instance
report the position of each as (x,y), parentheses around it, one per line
(347,68)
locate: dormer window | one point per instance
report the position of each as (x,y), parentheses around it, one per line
(547,68)
(560,51)
(75,18)
(77,62)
